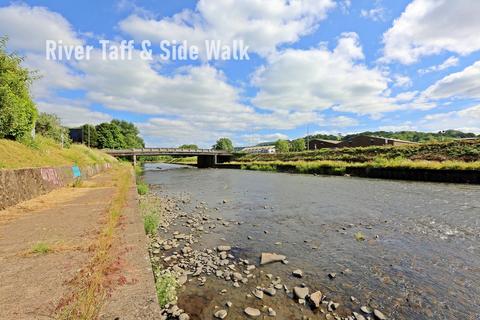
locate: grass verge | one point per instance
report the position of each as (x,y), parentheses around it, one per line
(40,248)
(91,284)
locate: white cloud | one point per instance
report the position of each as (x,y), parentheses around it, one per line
(402,80)
(467,120)
(428,27)
(72,113)
(253,139)
(448,63)
(262,24)
(463,84)
(319,79)
(28,27)
(375,14)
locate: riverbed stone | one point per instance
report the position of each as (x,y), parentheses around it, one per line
(221,314)
(271,257)
(224,248)
(366,309)
(252,312)
(316,298)
(300,292)
(379,315)
(297,273)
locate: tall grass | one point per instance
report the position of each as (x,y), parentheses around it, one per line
(91,284)
(44,152)
(166,287)
(151,221)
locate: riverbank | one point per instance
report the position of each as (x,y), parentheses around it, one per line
(198,282)
(456,162)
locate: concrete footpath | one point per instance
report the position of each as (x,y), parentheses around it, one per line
(44,242)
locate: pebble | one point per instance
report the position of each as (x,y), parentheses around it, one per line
(379,315)
(358,316)
(252,312)
(221,314)
(184,316)
(366,309)
(258,293)
(300,292)
(272,312)
(332,275)
(271,257)
(316,298)
(297,273)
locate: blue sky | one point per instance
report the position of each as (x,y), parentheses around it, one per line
(319,65)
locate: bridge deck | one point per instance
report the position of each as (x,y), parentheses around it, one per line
(166,151)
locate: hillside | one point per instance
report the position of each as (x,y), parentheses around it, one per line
(466,150)
(47,153)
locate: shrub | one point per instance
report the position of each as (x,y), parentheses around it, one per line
(151,222)
(17,110)
(41,248)
(142,188)
(166,287)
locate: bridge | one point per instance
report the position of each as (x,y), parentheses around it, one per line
(205,157)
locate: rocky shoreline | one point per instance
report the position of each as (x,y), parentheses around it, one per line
(242,287)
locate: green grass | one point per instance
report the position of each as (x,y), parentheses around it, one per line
(151,221)
(44,152)
(166,287)
(41,248)
(142,187)
(461,151)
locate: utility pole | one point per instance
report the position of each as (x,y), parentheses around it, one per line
(308,138)
(88,126)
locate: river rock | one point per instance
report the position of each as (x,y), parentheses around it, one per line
(272,312)
(297,273)
(379,315)
(184,316)
(224,248)
(258,293)
(270,291)
(316,298)
(366,309)
(358,316)
(271,257)
(221,314)
(300,292)
(332,275)
(252,312)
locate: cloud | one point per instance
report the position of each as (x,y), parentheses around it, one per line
(375,14)
(253,139)
(262,24)
(448,63)
(72,113)
(467,120)
(28,27)
(402,80)
(429,27)
(318,79)
(463,84)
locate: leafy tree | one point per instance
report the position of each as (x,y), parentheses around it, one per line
(89,135)
(298,145)
(130,134)
(17,110)
(282,146)
(223,144)
(189,146)
(49,125)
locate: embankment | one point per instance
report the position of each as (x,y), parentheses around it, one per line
(25,184)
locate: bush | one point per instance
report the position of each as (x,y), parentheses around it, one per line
(142,188)
(151,221)
(166,287)
(48,125)
(17,110)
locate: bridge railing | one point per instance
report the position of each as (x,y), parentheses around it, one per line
(139,151)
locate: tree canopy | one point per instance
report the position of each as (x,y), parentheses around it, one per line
(50,126)
(17,110)
(297,145)
(117,134)
(189,146)
(282,146)
(223,144)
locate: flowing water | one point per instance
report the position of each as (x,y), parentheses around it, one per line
(420,258)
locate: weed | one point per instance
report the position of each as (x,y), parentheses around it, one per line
(151,222)
(142,187)
(359,236)
(41,248)
(166,287)
(77,183)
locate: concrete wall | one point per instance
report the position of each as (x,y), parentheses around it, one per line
(24,184)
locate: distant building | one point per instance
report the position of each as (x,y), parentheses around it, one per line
(367,141)
(315,144)
(259,149)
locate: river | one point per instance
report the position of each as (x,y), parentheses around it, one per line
(420,258)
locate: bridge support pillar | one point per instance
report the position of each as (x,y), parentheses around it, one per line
(209,161)
(134,157)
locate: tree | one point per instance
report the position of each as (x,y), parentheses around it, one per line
(49,125)
(223,144)
(189,146)
(118,134)
(17,110)
(282,146)
(298,145)
(89,135)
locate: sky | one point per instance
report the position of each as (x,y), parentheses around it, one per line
(314,66)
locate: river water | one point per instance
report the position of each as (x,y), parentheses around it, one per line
(420,258)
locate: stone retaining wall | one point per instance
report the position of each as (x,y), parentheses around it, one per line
(24,184)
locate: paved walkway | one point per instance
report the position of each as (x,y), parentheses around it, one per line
(67,221)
